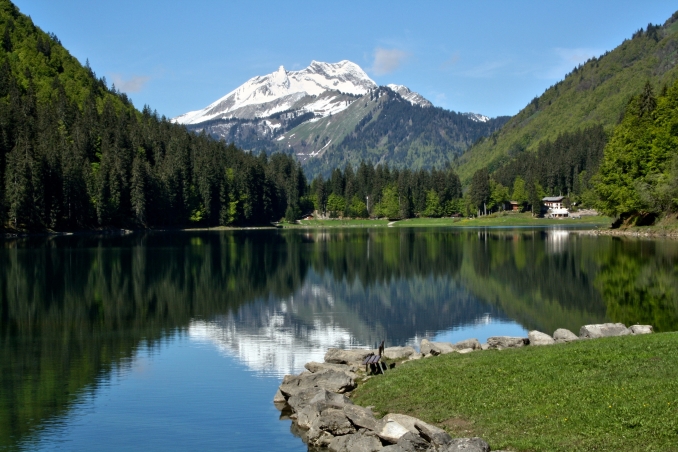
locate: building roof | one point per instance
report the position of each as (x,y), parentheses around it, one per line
(553,198)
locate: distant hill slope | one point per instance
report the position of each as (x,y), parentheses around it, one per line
(594,93)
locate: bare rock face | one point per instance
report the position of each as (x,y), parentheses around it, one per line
(279,397)
(339,356)
(502,342)
(356,442)
(562,335)
(316,405)
(466,445)
(641,329)
(603,330)
(330,380)
(468,343)
(399,352)
(539,338)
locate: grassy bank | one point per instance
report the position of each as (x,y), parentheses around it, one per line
(606,394)
(502,220)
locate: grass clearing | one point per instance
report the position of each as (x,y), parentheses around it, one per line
(605,394)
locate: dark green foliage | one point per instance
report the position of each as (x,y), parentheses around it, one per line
(480,191)
(76,154)
(386,192)
(562,166)
(639,174)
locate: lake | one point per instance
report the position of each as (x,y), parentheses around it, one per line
(179,340)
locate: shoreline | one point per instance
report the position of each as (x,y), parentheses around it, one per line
(325,414)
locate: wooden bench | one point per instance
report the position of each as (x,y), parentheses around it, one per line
(374,361)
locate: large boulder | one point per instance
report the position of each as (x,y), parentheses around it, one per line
(603,330)
(562,335)
(353,356)
(331,380)
(399,352)
(361,417)
(641,329)
(468,343)
(356,442)
(302,398)
(502,342)
(466,445)
(539,338)
(435,348)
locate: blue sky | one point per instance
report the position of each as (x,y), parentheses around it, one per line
(489,57)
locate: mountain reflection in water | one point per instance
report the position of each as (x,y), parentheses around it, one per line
(75,309)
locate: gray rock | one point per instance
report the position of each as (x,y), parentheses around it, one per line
(485,346)
(502,342)
(641,329)
(561,335)
(302,398)
(354,356)
(361,417)
(468,343)
(539,338)
(355,442)
(466,445)
(412,442)
(279,397)
(603,330)
(319,403)
(390,431)
(435,348)
(393,448)
(315,368)
(464,351)
(332,422)
(434,435)
(399,352)
(331,380)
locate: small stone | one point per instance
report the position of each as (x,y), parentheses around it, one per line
(539,338)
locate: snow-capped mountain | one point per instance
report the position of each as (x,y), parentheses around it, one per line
(477,117)
(410,96)
(263,96)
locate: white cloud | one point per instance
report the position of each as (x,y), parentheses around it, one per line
(388,60)
(132,85)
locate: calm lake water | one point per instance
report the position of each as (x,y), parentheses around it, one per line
(178,341)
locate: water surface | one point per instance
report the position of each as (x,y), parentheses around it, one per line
(176,341)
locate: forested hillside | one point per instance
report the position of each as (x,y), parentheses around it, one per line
(75,153)
(593,94)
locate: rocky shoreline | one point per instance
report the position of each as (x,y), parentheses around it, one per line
(654,234)
(326,418)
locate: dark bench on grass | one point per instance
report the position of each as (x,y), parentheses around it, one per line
(374,361)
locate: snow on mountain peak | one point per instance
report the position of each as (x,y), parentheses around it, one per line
(263,96)
(410,96)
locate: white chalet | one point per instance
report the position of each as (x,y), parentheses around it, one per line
(555,206)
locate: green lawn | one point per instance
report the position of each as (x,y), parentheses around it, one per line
(613,394)
(507,219)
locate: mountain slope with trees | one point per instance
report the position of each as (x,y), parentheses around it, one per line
(75,153)
(593,94)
